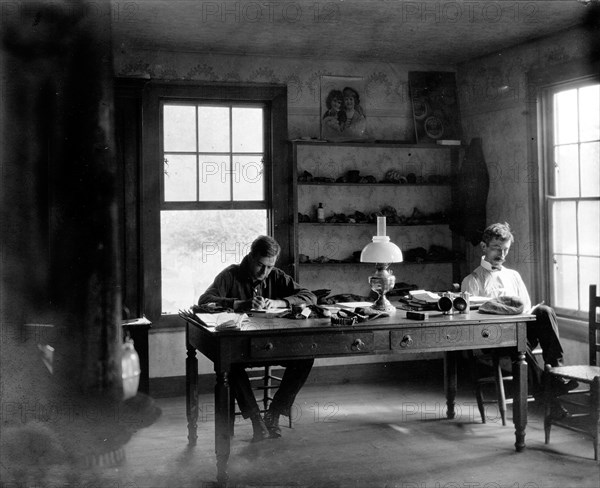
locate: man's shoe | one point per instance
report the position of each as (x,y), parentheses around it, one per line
(260,429)
(272,422)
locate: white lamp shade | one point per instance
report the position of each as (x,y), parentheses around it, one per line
(381,250)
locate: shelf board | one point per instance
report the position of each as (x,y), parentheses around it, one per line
(320,183)
(397,144)
(373,223)
(347,263)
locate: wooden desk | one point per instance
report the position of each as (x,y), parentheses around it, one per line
(270,339)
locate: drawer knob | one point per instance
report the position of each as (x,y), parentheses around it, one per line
(269,346)
(406,341)
(485,333)
(357,345)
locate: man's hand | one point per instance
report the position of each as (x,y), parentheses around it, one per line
(259,303)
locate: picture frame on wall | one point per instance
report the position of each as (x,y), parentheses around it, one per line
(342,102)
(435,108)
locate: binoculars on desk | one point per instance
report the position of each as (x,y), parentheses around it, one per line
(450,303)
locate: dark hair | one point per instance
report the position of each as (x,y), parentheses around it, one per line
(265,246)
(498,231)
(333,94)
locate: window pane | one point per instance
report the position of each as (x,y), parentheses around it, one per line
(248,182)
(589,113)
(197,245)
(565,282)
(565,114)
(213,129)
(566,171)
(589,228)
(179,128)
(590,169)
(180,178)
(589,272)
(214,178)
(564,227)
(247,129)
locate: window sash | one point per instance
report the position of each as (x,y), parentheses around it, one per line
(568,265)
(231,174)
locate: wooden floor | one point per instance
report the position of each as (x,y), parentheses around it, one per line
(351,435)
(357,435)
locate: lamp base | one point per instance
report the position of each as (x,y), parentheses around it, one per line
(382,304)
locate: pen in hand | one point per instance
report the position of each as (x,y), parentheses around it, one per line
(259,302)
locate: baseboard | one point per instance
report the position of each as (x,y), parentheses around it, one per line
(425,370)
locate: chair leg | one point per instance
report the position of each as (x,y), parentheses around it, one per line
(267,387)
(500,388)
(548,406)
(232,414)
(595,406)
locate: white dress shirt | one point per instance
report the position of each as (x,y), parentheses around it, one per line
(486,281)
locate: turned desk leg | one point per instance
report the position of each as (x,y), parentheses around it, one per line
(222,425)
(450,382)
(191,394)
(519,370)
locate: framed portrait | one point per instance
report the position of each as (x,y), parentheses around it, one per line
(343,115)
(435,106)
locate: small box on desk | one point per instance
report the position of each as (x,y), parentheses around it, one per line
(410,314)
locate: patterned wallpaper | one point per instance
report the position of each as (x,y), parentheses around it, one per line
(385,100)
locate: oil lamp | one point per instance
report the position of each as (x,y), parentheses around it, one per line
(382,252)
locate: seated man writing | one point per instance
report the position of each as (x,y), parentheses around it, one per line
(492,279)
(256,283)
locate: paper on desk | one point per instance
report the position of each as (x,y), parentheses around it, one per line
(352,305)
(271,311)
(217,319)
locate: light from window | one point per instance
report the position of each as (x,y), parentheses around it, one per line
(574,197)
(197,244)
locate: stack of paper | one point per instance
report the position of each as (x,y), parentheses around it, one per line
(419,300)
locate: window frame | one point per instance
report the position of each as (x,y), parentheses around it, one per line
(541,87)
(276,162)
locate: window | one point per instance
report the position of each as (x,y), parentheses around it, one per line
(572,193)
(212,155)
(212,160)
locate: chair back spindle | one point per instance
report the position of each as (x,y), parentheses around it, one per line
(594,326)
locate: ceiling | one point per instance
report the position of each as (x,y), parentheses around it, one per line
(420,31)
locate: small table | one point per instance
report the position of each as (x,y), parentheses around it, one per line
(268,340)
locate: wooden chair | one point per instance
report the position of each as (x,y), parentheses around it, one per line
(585,401)
(497,377)
(264,381)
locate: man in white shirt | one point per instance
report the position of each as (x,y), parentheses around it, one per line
(492,279)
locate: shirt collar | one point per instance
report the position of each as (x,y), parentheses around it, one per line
(488,266)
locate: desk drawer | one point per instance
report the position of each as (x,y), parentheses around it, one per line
(308,345)
(455,336)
